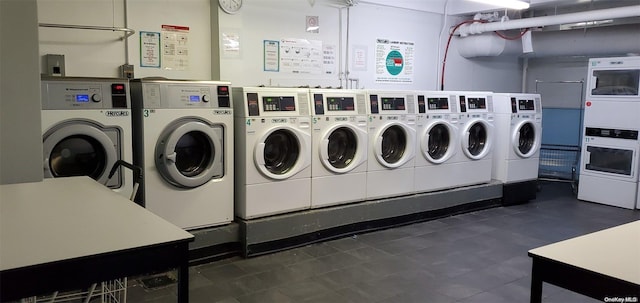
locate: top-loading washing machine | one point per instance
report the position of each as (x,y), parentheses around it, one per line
(273,151)
(516,153)
(86,129)
(339,146)
(183,140)
(437,140)
(473,163)
(392,136)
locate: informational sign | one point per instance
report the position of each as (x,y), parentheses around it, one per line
(230,45)
(329,55)
(301,56)
(175,45)
(271,55)
(150,49)
(359,58)
(394,61)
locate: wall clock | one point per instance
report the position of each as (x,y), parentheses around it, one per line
(230,6)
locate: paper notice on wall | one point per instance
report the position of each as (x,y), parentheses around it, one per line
(394,61)
(329,56)
(271,56)
(301,56)
(175,45)
(231,45)
(150,49)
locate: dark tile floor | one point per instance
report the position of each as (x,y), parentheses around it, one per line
(473,257)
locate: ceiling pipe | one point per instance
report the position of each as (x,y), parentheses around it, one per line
(603,14)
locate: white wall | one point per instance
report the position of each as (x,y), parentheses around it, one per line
(100,53)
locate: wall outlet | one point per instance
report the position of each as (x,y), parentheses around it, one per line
(55,65)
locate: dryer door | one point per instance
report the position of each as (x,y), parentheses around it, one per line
(394,145)
(525,139)
(189,152)
(282,152)
(82,148)
(477,139)
(343,148)
(438,144)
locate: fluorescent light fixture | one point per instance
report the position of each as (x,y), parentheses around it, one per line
(512,4)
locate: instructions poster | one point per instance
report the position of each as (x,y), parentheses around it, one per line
(175,45)
(301,56)
(149,49)
(394,61)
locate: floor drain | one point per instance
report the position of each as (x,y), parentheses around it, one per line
(157,281)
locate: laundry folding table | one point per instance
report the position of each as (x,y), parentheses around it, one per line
(604,265)
(68,233)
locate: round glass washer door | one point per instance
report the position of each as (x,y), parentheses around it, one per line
(282,152)
(82,148)
(476,139)
(343,148)
(394,145)
(189,153)
(438,142)
(525,139)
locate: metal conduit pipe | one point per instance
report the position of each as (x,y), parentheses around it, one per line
(610,13)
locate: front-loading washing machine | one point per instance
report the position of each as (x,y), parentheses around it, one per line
(437,140)
(273,151)
(183,140)
(473,163)
(339,146)
(86,129)
(392,135)
(516,153)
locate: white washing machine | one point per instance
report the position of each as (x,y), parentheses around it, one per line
(392,143)
(516,153)
(183,140)
(273,151)
(86,127)
(339,146)
(437,140)
(473,163)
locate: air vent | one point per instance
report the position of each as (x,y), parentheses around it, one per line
(411,103)
(361,101)
(303,104)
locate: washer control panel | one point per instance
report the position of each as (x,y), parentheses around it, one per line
(84,93)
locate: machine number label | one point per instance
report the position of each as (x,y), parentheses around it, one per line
(145,113)
(248,121)
(315,120)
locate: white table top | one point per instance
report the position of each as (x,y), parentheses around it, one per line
(64,218)
(614,252)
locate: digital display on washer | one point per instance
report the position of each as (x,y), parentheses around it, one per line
(194,98)
(340,103)
(476,103)
(392,103)
(279,104)
(526,105)
(82,98)
(438,103)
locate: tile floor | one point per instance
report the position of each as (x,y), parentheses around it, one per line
(473,257)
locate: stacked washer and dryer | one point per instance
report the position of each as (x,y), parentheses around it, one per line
(610,163)
(339,147)
(437,140)
(392,137)
(183,140)
(273,146)
(86,129)
(516,153)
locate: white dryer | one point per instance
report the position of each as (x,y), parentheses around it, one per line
(339,146)
(86,129)
(273,151)
(437,140)
(516,153)
(473,164)
(183,140)
(392,142)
